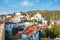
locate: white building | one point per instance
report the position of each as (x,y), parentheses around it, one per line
(18,18)
(44,22)
(37,16)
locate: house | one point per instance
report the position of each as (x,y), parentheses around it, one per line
(19,18)
(41,27)
(44,22)
(16,18)
(10,25)
(37,17)
(30,33)
(27,16)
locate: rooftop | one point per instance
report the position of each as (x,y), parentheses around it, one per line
(45,39)
(18,35)
(30,30)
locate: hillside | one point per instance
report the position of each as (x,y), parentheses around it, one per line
(47,14)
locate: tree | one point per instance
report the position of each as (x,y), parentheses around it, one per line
(9,37)
(6,35)
(15,30)
(55,29)
(53,32)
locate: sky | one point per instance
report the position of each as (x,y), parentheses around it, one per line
(11,6)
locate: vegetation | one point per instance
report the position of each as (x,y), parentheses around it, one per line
(55,29)
(47,14)
(15,30)
(52,33)
(8,36)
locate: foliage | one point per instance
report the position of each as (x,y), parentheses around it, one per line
(8,37)
(52,33)
(15,30)
(55,29)
(42,34)
(47,14)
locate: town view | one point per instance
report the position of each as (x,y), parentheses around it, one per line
(29,19)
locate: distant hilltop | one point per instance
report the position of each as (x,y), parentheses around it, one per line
(48,14)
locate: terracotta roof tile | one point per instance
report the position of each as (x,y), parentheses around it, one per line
(29,30)
(18,35)
(45,39)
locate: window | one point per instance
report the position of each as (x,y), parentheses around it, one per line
(36,32)
(5,26)
(35,35)
(10,26)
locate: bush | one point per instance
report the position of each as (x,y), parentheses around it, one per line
(15,30)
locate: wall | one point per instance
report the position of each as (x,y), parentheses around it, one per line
(2,32)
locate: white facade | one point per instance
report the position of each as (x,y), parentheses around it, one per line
(37,16)
(44,22)
(18,18)
(9,27)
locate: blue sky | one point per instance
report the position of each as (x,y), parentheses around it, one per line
(11,6)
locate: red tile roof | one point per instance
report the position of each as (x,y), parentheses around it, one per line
(18,35)
(30,30)
(45,39)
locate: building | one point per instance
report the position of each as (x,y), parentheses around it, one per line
(30,33)
(37,17)
(10,25)
(2,32)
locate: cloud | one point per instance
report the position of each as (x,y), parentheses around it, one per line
(26,3)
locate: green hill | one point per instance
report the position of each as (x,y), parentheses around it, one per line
(47,14)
